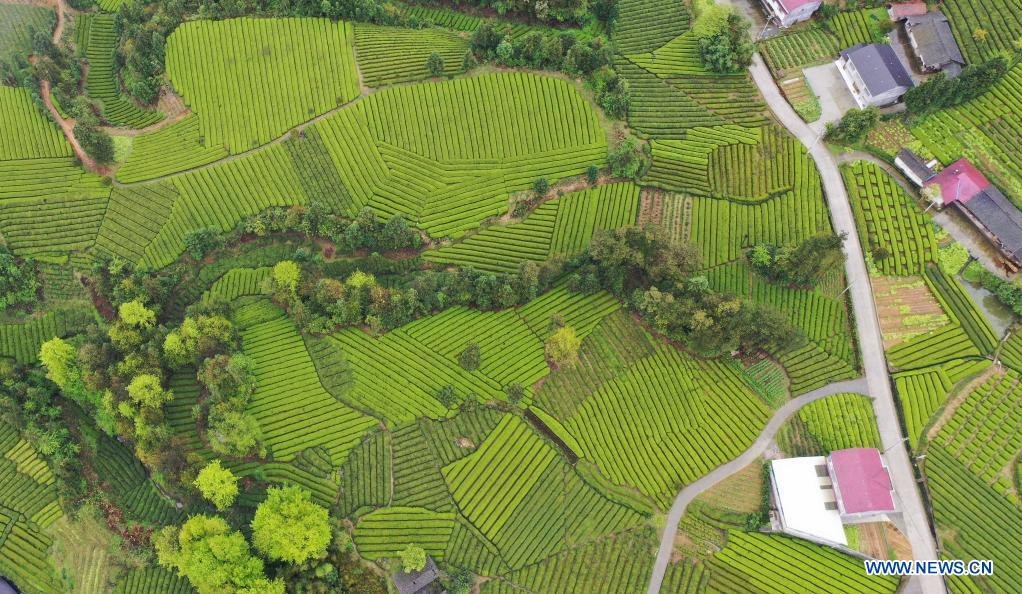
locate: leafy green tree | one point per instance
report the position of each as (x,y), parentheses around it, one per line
(563,345)
(470,357)
(234,433)
(285,277)
(854,125)
(214,558)
(136,314)
(17,280)
(541,186)
(95,142)
(199,338)
(413,558)
(730,48)
(435,64)
(60,358)
(200,242)
(446,396)
(592,174)
(217,484)
(515,392)
(145,390)
(289,527)
(626,159)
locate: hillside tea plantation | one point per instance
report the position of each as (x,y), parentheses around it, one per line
(507,299)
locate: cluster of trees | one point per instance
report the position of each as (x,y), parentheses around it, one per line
(143,29)
(18,283)
(798,265)
(939,92)
(319,303)
(853,127)
(1007,292)
(555,50)
(658,278)
(724,40)
(288,528)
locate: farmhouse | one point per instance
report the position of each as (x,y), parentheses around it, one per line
(419,582)
(934,44)
(788,12)
(966,189)
(913,166)
(874,74)
(817,495)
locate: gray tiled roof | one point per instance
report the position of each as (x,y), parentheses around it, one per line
(416,581)
(999,216)
(915,164)
(935,44)
(879,67)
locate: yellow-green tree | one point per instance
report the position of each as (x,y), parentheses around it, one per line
(562,346)
(289,526)
(217,484)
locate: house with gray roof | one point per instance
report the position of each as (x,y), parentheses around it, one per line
(934,44)
(419,582)
(874,74)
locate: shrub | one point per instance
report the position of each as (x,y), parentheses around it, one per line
(469,359)
(435,64)
(562,346)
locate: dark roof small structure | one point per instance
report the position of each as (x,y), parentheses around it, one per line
(933,41)
(1000,217)
(418,582)
(913,165)
(879,67)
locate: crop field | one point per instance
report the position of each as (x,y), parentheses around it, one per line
(858,26)
(96,36)
(774,563)
(21,341)
(388,55)
(28,504)
(37,137)
(835,423)
(889,221)
(173,148)
(563,225)
(986,130)
(16,20)
(280,59)
(289,395)
(1000,20)
(798,49)
(906,307)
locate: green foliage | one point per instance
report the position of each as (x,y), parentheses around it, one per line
(18,283)
(217,484)
(729,47)
(562,346)
(60,360)
(135,313)
(199,242)
(213,557)
(95,142)
(146,390)
(626,159)
(413,558)
(470,358)
(853,127)
(286,275)
(801,265)
(939,92)
(289,527)
(435,64)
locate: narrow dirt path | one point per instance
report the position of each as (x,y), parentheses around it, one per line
(695,488)
(67,126)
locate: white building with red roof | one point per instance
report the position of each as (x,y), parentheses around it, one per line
(786,13)
(815,496)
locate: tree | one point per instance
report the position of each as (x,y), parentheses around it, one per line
(413,558)
(592,174)
(17,280)
(446,396)
(625,159)
(214,558)
(289,527)
(469,359)
(145,390)
(435,64)
(562,346)
(95,142)
(729,48)
(396,234)
(285,277)
(540,187)
(802,264)
(234,433)
(135,314)
(229,379)
(940,92)
(469,61)
(854,125)
(217,484)
(200,242)
(60,360)
(515,392)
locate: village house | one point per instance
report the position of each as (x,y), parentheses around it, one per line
(874,74)
(964,188)
(933,43)
(913,166)
(785,13)
(902,10)
(419,582)
(816,496)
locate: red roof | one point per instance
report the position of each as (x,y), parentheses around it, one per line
(793,5)
(959,182)
(906,9)
(861,481)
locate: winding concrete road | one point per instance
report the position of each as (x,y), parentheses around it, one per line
(908,497)
(758,447)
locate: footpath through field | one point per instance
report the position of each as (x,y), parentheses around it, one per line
(694,489)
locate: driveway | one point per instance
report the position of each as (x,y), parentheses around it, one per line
(835,98)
